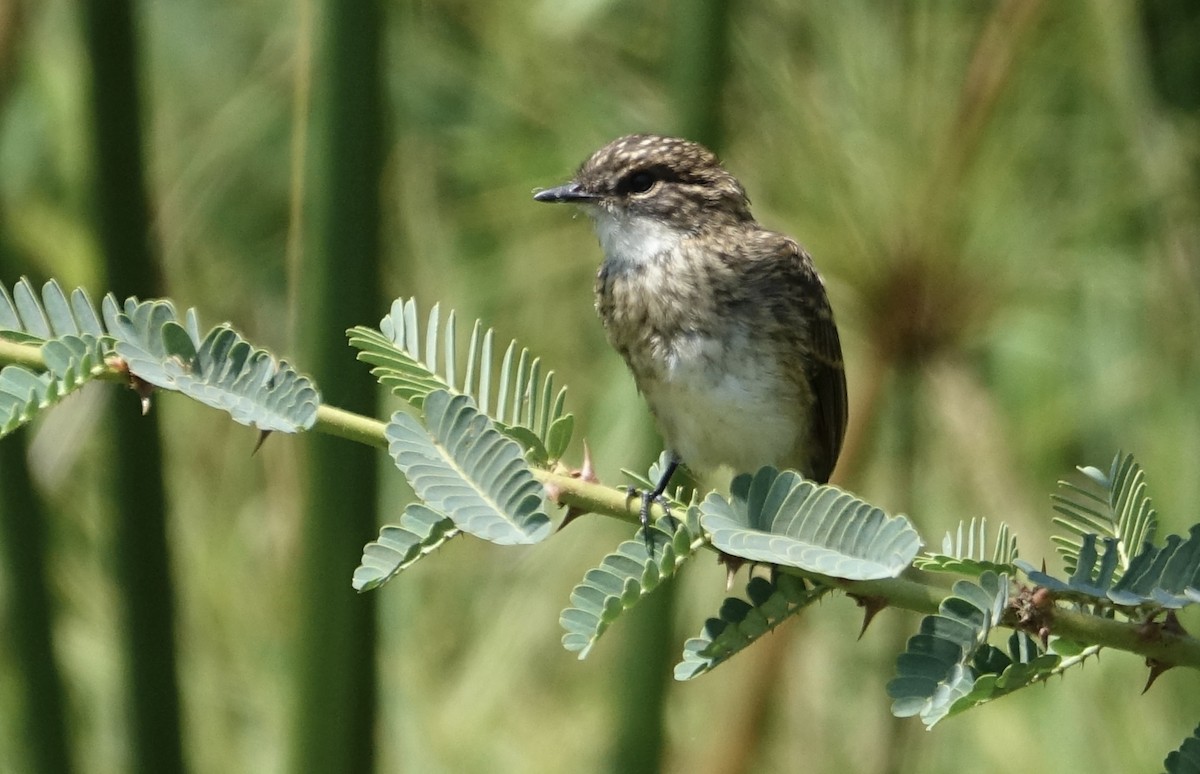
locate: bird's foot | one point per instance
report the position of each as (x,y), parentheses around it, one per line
(648,500)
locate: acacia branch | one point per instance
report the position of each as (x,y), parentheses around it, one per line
(24,355)
(915,591)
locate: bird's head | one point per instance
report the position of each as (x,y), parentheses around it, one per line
(672,181)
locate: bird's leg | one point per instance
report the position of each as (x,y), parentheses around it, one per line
(648,498)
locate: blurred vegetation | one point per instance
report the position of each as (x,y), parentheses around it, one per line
(1004,199)
(335,272)
(128,255)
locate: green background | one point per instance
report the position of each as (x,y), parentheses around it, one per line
(1003,197)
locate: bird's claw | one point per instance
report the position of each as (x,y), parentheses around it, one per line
(648,500)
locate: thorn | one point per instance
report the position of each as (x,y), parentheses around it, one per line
(871,607)
(262,438)
(1043,565)
(1156,668)
(573,513)
(1171,625)
(586,473)
(1154,632)
(732,565)
(1151,631)
(143,389)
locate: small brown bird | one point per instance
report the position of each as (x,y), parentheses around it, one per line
(725,325)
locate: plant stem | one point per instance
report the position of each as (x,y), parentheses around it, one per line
(909,592)
(25,355)
(353,427)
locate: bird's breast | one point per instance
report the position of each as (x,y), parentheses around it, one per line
(718,388)
(722,401)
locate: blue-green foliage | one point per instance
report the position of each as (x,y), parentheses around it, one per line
(420,531)
(1185,760)
(948,666)
(22,395)
(73,347)
(460,465)
(1158,577)
(220,369)
(1114,559)
(781,518)
(1116,505)
(624,577)
(1000,672)
(740,623)
(521,402)
(965,551)
(29,318)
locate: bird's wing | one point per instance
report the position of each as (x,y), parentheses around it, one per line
(827,377)
(823,368)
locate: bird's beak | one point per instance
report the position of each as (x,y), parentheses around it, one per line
(567,192)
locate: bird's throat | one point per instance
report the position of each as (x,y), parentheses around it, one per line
(634,241)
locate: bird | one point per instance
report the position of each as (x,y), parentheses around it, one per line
(725,325)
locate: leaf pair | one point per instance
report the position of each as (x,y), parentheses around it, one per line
(523,403)
(1114,561)
(948,666)
(470,478)
(785,519)
(220,369)
(625,577)
(772,517)
(966,551)
(468,461)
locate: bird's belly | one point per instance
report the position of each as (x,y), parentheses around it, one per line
(717,405)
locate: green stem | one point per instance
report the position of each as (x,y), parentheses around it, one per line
(353,427)
(1153,642)
(25,355)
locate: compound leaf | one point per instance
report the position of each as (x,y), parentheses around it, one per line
(223,370)
(420,531)
(938,667)
(624,578)
(966,551)
(1166,577)
(739,624)
(1115,506)
(524,404)
(463,467)
(1185,760)
(781,518)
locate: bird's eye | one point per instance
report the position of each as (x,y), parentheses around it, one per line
(637,182)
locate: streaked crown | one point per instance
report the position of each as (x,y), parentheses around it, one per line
(668,178)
